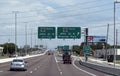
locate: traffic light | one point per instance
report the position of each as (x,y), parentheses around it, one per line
(86,35)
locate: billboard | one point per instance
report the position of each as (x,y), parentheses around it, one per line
(96,38)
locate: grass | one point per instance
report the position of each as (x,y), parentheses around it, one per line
(118,62)
(2,57)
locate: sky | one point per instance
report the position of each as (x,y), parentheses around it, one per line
(92,14)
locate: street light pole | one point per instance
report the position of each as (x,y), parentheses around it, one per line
(15,12)
(106,42)
(31,39)
(115,31)
(26,38)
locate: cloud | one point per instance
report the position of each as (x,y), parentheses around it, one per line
(14,2)
(50,9)
(82,13)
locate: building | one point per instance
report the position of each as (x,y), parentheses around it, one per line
(101,53)
(1,49)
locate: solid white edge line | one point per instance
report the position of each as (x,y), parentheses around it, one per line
(82,69)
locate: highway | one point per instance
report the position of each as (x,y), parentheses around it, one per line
(50,65)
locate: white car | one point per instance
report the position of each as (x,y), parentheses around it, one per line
(18,64)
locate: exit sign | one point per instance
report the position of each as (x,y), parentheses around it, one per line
(68,32)
(46,32)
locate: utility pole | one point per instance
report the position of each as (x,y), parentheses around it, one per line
(106,42)
(86,42)
(86,32)
(15,12)
(116,41)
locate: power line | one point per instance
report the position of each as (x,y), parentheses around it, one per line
(49,18)
(79,3)
(66,10)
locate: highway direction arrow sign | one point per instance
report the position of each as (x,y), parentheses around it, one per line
(68,32)
(86,49)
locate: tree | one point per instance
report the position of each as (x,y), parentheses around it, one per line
(76,49)
(9,48)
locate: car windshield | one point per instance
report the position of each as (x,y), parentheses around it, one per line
(17,60)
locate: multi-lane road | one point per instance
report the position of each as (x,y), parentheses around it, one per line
(50,65)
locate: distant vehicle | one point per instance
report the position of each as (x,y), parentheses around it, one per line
(13,55)
(67,58)
(49,53)
(18,64)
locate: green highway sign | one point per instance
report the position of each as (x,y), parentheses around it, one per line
(66,47)
(68,32)
(60,47)
(46,32)
(86,49)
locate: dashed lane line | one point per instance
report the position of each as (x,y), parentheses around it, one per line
(58,66)
(31,72)
(35,68)
(1,71)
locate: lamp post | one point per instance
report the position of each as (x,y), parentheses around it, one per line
(15,12)
(115,31)
(31,39)
(26,46)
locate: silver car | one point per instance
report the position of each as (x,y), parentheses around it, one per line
(18,64)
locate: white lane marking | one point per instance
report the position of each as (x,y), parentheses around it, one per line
(55,59)
(61,73)
(35,68)
(107,75)
(58,66)
(82,69)
(31,71)
(1,71)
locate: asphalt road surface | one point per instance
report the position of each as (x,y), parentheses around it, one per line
(50,65)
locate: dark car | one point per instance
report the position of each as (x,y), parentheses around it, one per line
(67,58)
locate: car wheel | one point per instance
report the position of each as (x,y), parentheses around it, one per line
(11,69)
(24,69)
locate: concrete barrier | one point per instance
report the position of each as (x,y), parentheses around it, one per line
(109,70)
(25,57)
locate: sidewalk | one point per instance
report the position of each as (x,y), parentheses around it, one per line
(100,62)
